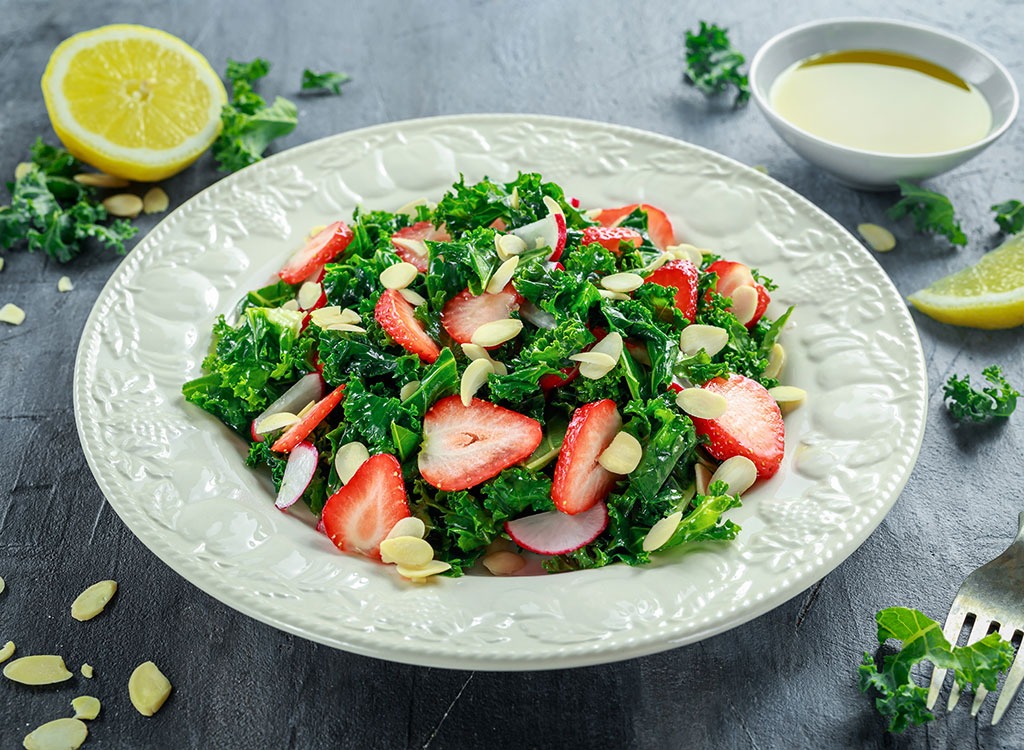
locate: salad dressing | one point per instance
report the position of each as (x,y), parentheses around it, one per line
(881,101)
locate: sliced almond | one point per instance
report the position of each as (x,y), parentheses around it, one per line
(408,389)
(744,303)
(3,585)
(91,602)
(407,551)
(504,563)
(776,361)
(292,304)
(509,245)
(276,421)
(412,297)
(148,688)
(417,247)
(702,478)
(59,734)
(788,397)
(711,339)
(878,238)
(100,180)
(64,284)
(503,275)
(610,345)
(87,671)
(123,204)
(155,201)
(432,568)
(409,209)
(474,376)
(349,458)
(513,199)
(39,669)
(345,327)
(594,372)
(622,282)
(408,526)
(305,410)
(701,403)
(398,276)
(11,313)
(738,472)
(662,531)
(474,351)
(22,169)
(7,651)
(309,294)
(86,707)
(658,262)
(324,316)
(497,332)
(552,205)
(686,251)
(594,358)
(622,455)
(609,294)
(1,263)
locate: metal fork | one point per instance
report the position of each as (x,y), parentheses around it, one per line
(994,595)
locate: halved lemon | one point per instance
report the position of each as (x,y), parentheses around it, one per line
(989,294)
(133,101)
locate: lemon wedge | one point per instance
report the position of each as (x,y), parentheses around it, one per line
(132,101)
(989,294)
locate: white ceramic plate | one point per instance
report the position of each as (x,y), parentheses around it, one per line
(176,476)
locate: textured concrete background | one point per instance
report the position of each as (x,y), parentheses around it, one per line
(784,680)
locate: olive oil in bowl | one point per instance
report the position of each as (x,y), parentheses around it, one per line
(880,101)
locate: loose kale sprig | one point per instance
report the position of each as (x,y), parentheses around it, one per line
(1010,216)
(248,125)
(713,64)
(931,212)
(52,213)
(965,402)
(900,699)
(323,83)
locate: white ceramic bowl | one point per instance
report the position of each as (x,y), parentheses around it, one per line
(871,169)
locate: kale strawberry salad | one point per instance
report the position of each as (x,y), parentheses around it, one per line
(503,373)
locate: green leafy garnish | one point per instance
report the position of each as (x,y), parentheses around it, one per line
(900,699)
(1010,216)
(931,212)
(248,125)
(965,402)
(323,83)
(713,64)
(52,213)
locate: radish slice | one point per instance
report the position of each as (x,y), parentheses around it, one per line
(546,232)
(536,316)
(298,473)
(555,533)
(308,388)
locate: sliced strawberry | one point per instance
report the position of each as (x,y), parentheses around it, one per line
(611,237)
(682,275)
(763,298)
(751,426)
(466,445)
(412,250)
(397,316)
(465,312)
(301,429)
(659,226)
(674,387)
(318,251)
(359,516)
(555,533)
(549,381)
(731,276)
(580,482)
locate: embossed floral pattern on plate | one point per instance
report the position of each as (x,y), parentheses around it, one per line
(177,479)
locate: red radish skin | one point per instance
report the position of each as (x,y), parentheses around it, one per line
(555,533)
(298,473)
(359,516)
(580,482)
(318,251)
(422,231)
(549,232)
(307,388)
(301,429)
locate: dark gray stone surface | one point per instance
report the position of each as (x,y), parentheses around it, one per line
(784,680)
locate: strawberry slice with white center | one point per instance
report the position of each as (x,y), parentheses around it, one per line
(359,516)
(610,238)
(659,226)
(318,251)
(580,482)
(409,242)
(731,276)
(751,426)
(555,533)
(466,445)
(682,275)
(397,316)
(465,312)
(301,429)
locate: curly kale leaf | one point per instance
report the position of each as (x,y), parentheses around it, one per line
(248,125)
(713,64)
(931,212)
(1010,216)
(329,82)
(965,402)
